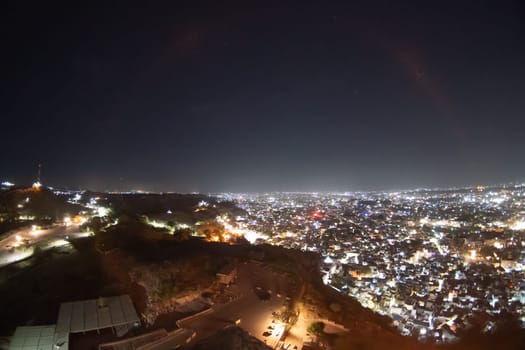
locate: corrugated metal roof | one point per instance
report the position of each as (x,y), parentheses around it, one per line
(88,315)
(37,338)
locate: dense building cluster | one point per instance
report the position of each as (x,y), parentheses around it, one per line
(436,261)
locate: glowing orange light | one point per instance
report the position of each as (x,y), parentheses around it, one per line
(317,214)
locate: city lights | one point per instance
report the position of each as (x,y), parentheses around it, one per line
(419,250)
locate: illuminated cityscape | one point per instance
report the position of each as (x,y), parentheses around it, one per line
(436,262)
(432,260)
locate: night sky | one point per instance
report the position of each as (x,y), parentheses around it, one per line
(276,96)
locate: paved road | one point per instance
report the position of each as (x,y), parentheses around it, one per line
(20,244)
(255,315)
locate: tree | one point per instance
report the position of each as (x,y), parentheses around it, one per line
(288,315)
(213,231)
(316,328)
(96,224)
(183,234)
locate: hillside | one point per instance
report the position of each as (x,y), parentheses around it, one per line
(20,205)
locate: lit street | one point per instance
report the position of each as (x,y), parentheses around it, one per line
(249,311)
(21,244)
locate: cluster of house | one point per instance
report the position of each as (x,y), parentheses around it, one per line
(431,260)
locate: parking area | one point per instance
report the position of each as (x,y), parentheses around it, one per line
(259,297)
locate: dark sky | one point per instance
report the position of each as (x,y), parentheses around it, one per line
(281,95)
